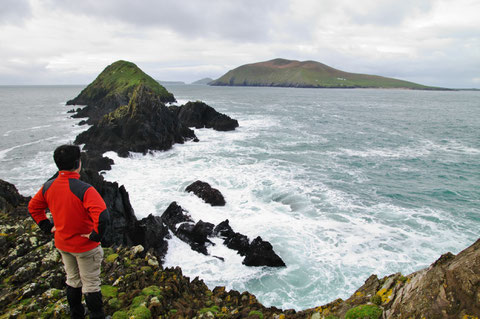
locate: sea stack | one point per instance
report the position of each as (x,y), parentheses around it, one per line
(114,87)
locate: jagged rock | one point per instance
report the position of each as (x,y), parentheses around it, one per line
(209,194)
(231,239)
(114,87)
(150,232)
(200,115)
(96,162)
(143,125)
(260,253)
(182,225)
(257,253)
(10,198)
(196,235)
(174,215)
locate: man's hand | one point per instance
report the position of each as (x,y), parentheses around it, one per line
(86,236)
(53,229)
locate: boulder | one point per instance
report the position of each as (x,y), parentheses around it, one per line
(260,253)
(200,115)
(209,194)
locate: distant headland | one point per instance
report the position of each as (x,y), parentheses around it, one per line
(308,74)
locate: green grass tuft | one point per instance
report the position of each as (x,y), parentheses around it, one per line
(364,312)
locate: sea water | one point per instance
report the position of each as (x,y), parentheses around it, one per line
(342,183)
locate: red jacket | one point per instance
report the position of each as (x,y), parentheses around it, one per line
(77,208)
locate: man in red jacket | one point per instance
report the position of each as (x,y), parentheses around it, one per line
(80,219)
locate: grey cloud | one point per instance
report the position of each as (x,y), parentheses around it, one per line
(14,11)
(389,13)
(239,20)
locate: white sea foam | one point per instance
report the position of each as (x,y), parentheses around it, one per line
(265,198)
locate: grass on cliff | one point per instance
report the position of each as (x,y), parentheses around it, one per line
(120,78)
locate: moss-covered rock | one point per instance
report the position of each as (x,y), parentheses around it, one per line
(109,291)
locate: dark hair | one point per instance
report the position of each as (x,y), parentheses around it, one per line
(67,157)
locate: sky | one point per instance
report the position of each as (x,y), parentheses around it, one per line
(432,42)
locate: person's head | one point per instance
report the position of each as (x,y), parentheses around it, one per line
(67,157)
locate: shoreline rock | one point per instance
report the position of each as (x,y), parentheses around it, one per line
(257,253)
(206,192)
(199,115)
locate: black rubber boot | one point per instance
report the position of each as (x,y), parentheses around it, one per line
(95,305)
(74,298)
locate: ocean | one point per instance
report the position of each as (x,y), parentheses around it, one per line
(342,183)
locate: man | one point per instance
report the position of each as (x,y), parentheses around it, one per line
(80,219)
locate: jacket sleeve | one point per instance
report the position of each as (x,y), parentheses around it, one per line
(97,209)
(37,209)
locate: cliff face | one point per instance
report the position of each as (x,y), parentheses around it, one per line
(114,87)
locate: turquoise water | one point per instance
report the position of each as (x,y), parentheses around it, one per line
(343,183)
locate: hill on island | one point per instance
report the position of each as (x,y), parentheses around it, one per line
(114,87)
(307,74)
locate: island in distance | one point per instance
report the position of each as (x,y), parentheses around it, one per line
(308,74)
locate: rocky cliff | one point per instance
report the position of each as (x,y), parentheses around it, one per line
(143,125)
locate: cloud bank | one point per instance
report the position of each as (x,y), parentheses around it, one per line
(433,42)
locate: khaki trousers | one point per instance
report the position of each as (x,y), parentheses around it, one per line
(83,269)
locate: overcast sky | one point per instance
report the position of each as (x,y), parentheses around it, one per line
(432,42)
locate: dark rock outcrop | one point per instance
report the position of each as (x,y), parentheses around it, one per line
(200,115)
(260,253)
(231,239)
(144,124)
(126,229)
(196,235)
(209,194)
(257,253)
(182,226)
(10,198)
(174,215)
